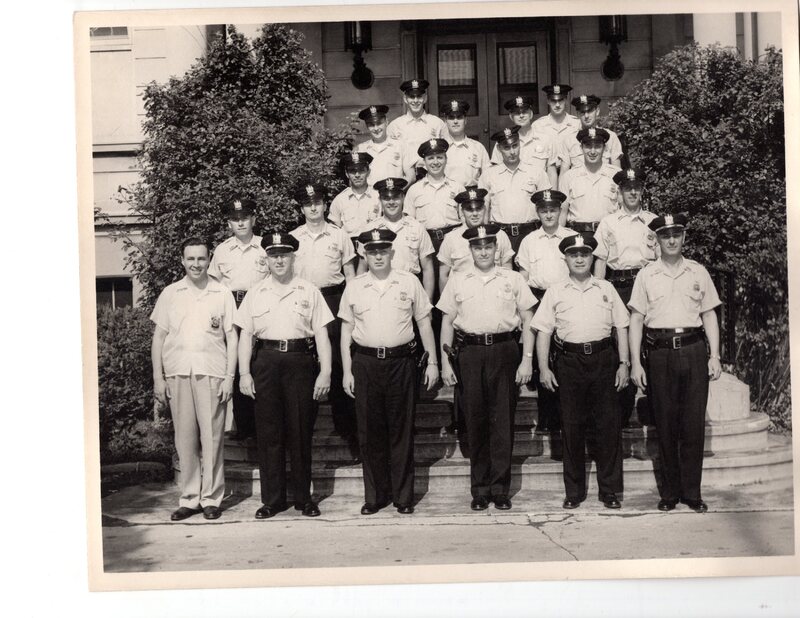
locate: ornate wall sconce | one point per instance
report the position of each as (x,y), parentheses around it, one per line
(613,31)
(358,39)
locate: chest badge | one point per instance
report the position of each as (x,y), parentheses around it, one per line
(304,304)
(696,286)
(605,298)
(214,321)
(403,296)
(262,261)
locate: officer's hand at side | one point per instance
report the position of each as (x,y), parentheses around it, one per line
(548,379)
(225,390)
(349,383)
(161,392)
(246,386)
(639,376)
(448,375)
(621,380)
(524,371)
(431,376)
(714,368)
(322,385)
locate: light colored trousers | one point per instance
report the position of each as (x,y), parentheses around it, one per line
(199,421)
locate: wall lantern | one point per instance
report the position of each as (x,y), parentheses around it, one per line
(613,31)
(358,39)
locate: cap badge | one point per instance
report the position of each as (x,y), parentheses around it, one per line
(389,183)
(373,110)
(584,98)
(507,133)
(556,89)
(310,190)
(276,239)
(546,195)
(237,205)
(668,220)
(631,175)
(454,106)
(414,83)
(592,132)
(578,241)
(355,157)
(481,232)
(473,195)
(519,101)
(433,143)
(376,234)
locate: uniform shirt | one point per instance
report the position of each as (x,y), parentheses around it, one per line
(239,266)
(275,311)
(557,130)
(411,244)
(673,301)
(540,257)
(352,211)
(381,317)
(570,148)
(320,257)
(579,315)
(388,160)
(590,195)
(411,132)
(466,160)
(196,325)
(624,241)
(481,306)
(536,149)
(455,252)
(433,203)
(510,192)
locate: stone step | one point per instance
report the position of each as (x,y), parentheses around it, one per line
(451,476)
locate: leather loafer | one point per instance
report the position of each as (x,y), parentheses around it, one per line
(571,503)
(502,503)
(610,501)
(211,512)
(311,510)
(698,506)
(666,505)
(184,512)
(265,512)
(479,504)
(405,509)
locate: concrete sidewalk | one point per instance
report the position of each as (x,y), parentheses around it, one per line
(754,520)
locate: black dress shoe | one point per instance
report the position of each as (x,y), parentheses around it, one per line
(311,510)
(265,512)
(698,506)
(610,501)
(501,502)
(184,512)
(666,505)
(571,503)
(481,503)
(405,509)
(211,512)
(371,509)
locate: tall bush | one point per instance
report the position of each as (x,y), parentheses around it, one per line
(707,128)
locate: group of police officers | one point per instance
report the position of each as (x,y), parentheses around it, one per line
(540,251)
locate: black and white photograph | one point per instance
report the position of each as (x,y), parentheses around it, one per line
(436,293)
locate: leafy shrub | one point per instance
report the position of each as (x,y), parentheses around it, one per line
(707,129)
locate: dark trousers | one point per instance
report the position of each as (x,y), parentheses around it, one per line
(677,386)
(548,416)
(626,398)
(243,407)
(488,396)
(587,396)
(384,390)
(343,408)
(285,415)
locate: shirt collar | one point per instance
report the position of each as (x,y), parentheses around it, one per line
(593,282)
(237,244)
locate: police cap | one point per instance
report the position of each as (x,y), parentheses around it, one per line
(509,136)
(666,222)
(629,176)
(581,240)
(279,240)
(380,236)
(238,208)
(482,234)
(592,134)
(414,87)
(454,108)
(557,91)
(354,160)
(519,104)
(373,113)
(309,193)
(548,197)
(437,145)
(586,102)
(472,198)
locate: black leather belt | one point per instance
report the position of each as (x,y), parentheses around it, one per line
(516,229)
(537,292)
(330,290)
(439,232)
(238,295)
(407,349)
(304,344)
(614,275)
(583,226)
(463,338)
(673,338)
(588,348)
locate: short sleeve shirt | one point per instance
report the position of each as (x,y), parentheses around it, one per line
(493,305)
(540,257)
(388,160)
(197,325)
(590,195)
(272,310)
(466,160)
(673,300)
(411,132)
(580,314)
(536,149)
(320,257)
(546,125)
(510,192)
(411,244)
(433,203)
(570,148)
(352,211)
(381,316)
(239,266)
(624,241)
(455,253)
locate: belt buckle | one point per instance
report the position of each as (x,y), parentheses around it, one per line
(381,352)
(676,342)
(488,339)
(514,229)
(283,345)
(439,234)
(587,348)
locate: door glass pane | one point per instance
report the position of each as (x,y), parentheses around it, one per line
(517,73)
(457,74)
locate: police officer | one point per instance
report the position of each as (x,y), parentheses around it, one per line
(542,265)
(557,122)
(466,158)
(590,188)
(625,244)
(239,263)
(377,311)
(358,204)
(194,358)
(510,185)
(581,310)
(416,125)
(483,310)
(287,316)
(588,107)
(412,250)
(674,299)
(325,257)
(535,148)
(389,156)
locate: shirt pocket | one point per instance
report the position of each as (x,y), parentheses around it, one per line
(605,308)
(403,302)
(423,211)
(693,297)
(612,194)
(333,253)
(463,297)
(302,307)
(654,298)
(175,317)
(261,318)
(360,309)
(225,268)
